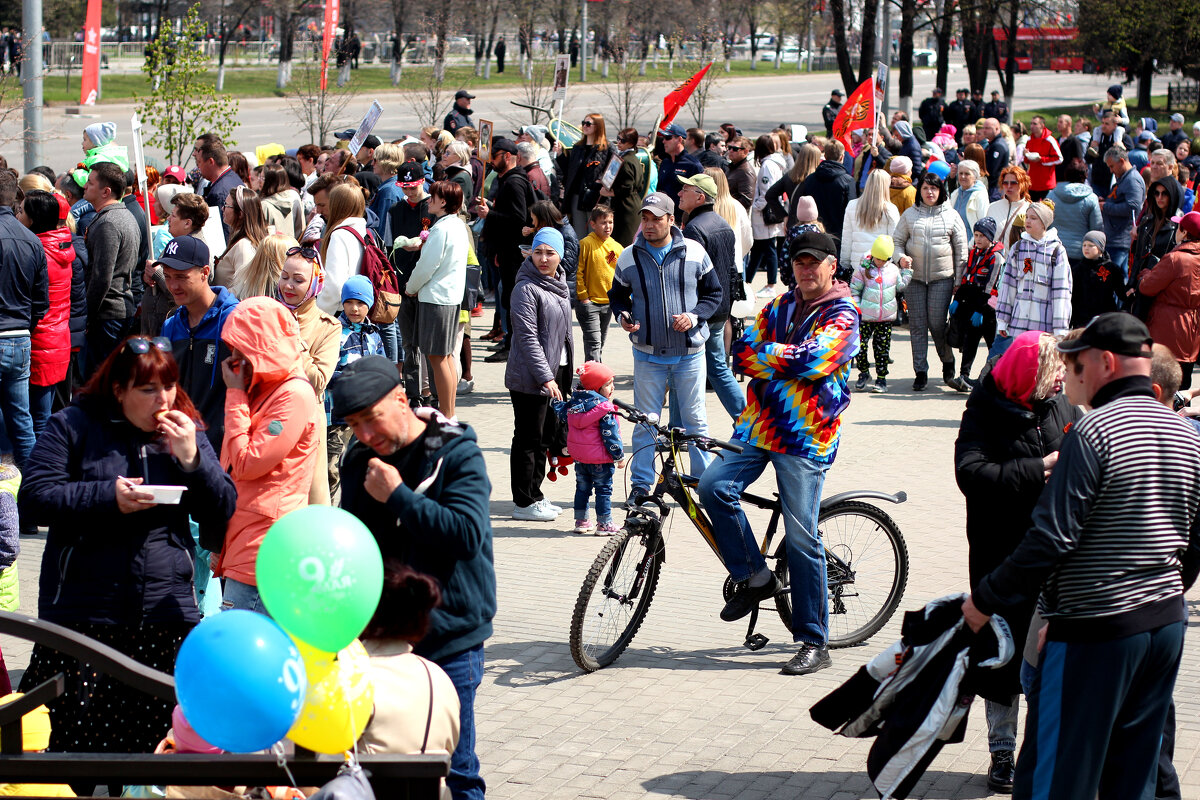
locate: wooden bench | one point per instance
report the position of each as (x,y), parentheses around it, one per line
(414,777)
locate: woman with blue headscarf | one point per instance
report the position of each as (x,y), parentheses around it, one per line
(538,371)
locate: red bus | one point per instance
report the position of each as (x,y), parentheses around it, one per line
(1044,48)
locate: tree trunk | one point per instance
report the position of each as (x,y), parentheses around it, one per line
(943,31)
(1008,77)
(908,13)
(866,62)
(838,9)
(286,46)
(221,76)
(1145,78)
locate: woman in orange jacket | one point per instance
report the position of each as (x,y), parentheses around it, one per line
(273,428)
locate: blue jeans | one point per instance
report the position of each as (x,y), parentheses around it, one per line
(466,672)
(41,404)
(764,255)
(600,478)
(800,481)
(728,390)
(1120,258)
(236,594)
(393,345)
(649,395)
(14,396)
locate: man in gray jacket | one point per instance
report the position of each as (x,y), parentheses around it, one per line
(113,240)
(665,290)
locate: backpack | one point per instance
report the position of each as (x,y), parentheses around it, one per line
(379,270)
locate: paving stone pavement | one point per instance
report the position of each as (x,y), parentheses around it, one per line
(687,712)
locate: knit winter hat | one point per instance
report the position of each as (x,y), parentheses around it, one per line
(593,375)
(900,165)
(1097,238)
(1115,90)
(549,236)
(358,287)
(101,133)
(1043,211)
(986,226)
(806,209)
(883,247)
(903,129)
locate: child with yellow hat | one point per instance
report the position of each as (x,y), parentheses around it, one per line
(874,286)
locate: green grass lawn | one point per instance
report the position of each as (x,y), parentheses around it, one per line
(256,82)
(1158,111)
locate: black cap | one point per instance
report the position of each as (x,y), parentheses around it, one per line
(463,93)
(345,135)
(814,243)
(410,172)
(994,92)
(371,141)
(503,145)
(184,252)
(1117,332)
(838,92)
(362,384)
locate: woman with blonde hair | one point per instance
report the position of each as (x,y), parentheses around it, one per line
(870,215)
(33,182)
(803,165)
(735,214)
(581,168)
(243,214)
(260,277)
(343,244)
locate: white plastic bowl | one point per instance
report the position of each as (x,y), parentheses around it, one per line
(166,495)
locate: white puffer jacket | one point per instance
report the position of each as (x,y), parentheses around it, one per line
(770,170)
(935,238)
(856,241)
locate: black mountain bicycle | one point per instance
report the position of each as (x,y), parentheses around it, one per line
(866,559)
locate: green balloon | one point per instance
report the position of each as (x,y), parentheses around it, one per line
(320,575)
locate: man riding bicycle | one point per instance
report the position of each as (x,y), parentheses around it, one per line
(797,356)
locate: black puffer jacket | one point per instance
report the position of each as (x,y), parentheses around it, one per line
(720,242)
(79,268)
(832,188)
(998,466)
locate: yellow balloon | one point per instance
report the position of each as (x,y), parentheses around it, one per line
(340,698)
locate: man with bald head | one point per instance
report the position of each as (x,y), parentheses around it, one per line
(996,153)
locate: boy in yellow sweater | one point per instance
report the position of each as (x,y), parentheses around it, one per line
(598,253)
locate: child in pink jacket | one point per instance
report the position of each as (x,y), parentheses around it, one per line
(594,441)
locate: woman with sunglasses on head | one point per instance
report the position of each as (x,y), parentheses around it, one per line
(931,240)
(582,167)
(1014,199)
(243,213)
(118,566)
(301,279)
(274,426)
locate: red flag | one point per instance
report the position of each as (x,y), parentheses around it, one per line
(331,22)
(90,82)
(678,98)
(858,112)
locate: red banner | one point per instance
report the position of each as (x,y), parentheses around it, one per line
(90,84)
(678,98)
(858,112)
(331,22)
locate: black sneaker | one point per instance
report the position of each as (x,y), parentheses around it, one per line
(921,382)
(497,357)
(810,659)
(863,380)
(880,386)
(637,496)
(746,598)
(959,384)
(1000,776)
(948,373)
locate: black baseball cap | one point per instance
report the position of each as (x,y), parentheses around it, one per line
(371,141)
(184,252)
(345,135)
(814,243)
(1117,332)
(503,145)
(838,92)
(463,94)
(410,173)
(362,384)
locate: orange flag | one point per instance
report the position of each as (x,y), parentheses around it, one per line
(678,98)
(858,112)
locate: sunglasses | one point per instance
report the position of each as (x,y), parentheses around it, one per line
(734,147)
(1010,183)
(141,345)
(307,253)
(587,123)
(1159,193)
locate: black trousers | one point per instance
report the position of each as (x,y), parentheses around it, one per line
(536,429)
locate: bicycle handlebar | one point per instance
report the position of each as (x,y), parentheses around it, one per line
(642,418)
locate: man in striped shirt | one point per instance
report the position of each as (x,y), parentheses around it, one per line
(1114,544)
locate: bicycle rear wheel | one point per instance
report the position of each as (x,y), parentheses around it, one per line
(866,562)
(614,598)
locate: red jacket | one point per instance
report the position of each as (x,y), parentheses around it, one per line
(51,339)
(1041,173)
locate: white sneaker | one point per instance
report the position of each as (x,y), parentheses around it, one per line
(551,506)
(465,387)
(534,512)
(766,292)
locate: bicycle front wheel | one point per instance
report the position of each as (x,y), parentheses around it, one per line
(614,598)
(866,564)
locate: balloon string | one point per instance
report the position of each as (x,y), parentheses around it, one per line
(277,748)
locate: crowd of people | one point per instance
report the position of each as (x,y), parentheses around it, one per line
(290,326)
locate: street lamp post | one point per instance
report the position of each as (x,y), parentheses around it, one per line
(31,81)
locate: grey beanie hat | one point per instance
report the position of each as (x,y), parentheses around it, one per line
(1097,238)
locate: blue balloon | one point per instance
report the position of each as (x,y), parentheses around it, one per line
(240,681)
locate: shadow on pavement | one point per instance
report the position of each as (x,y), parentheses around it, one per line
(701,785)
(908,423)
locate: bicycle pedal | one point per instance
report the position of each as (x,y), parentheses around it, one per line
(756,641)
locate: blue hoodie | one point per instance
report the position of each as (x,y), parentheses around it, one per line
(1076,212)
(199,352)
